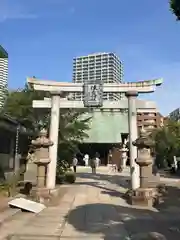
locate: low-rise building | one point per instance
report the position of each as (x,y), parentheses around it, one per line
(175,115)
(149,120)
(14,142)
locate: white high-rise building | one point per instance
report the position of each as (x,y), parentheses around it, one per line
(3,75)
(104,67)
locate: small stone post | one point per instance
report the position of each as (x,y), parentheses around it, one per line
(144,194)
(41,158)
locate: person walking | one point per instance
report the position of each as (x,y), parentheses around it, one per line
(74,163)
(110,157)
(97,156)
(93,165)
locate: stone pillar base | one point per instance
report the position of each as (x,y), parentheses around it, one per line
(45,195)
(146,196)
(41,195)
(142,197)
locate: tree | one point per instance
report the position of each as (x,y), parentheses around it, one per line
(19,106)
(72,131)
(72,125)
(175,8)
(167,142)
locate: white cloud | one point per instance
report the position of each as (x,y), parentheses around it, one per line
(10,10)
(22,9)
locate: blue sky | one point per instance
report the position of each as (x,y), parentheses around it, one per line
(43,36)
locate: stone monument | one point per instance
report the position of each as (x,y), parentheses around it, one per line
(41,159)
(144,194)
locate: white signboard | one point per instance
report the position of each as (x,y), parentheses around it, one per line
(27,205)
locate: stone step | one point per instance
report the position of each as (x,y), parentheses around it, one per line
(32,237)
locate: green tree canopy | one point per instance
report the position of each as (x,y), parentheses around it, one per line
(175,8)
(19,106)
(167,142)
(72,128)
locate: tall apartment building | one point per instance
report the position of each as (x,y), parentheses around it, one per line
(105,67)
(3,75)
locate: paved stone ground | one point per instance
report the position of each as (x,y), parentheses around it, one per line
(95,209)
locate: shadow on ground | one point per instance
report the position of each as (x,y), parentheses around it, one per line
(117,222)
(123,181)
(111,220)
(170,200)
(102,181)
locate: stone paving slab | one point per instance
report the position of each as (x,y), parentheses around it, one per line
(8,213)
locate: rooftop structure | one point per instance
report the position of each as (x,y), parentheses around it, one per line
(3,53)
(175,115)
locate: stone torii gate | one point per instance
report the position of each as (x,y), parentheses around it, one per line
(57,89)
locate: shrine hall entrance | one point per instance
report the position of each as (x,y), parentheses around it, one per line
(102,148)
(92,148)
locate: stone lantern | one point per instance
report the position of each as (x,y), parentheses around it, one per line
(41,157)
(144,194)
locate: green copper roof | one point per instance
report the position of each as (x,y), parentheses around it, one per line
(3,53)
(106,127)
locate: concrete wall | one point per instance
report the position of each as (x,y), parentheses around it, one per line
(5,161)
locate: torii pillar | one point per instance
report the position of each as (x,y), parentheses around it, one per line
(133,135)
(54,133)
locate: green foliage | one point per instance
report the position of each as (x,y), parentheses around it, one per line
(72,132)
(167,143)
(62,167)
(72,125)
(70,177)
(10,184)
(19,106)
(175,8)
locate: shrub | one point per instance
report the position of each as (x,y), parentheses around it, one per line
(62,167)
(60,179)
(70,177)
(10,184)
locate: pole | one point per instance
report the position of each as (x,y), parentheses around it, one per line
(54,133)
(16,166)
(132,124)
